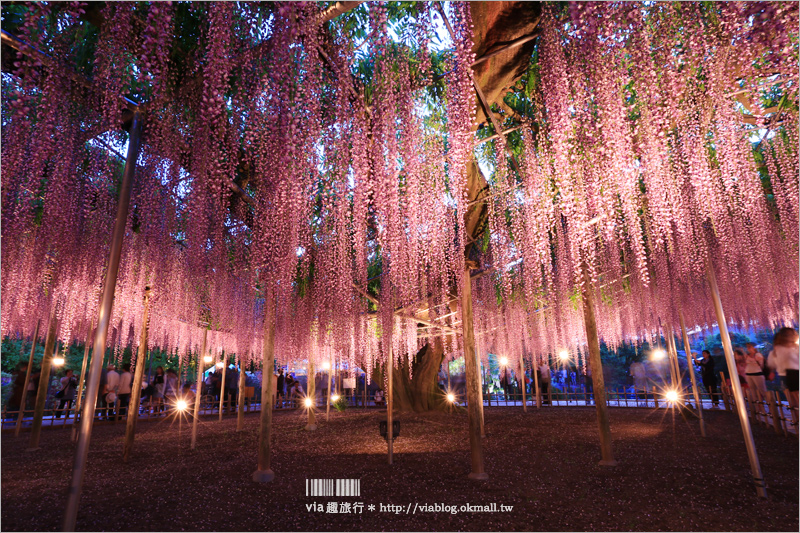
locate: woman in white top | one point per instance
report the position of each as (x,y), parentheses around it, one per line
(754,375)
(784,359)
(124,389)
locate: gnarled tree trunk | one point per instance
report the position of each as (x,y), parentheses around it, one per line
(419,392)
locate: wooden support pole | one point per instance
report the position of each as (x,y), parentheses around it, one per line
(103,319)
(138,375)
(222,385)
(44,382)
(330,383)
(535,374)
(200,357)
(312,394)
(687,348)
(22,401)
(390,397)
(522,383)
(264,473)
(480,389)
(673,360)
(242,386)
(755,466)
(596,365)
(473,380)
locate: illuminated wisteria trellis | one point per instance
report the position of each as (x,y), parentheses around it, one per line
(286,157)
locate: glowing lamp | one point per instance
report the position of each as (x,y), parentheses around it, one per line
(335,398)
(181,405)
(220,364)
(659,354)
(326,365)
(563,355)
(58,361)
(207,359)
(671,396)
(308,401)
(504,361)
(451,397)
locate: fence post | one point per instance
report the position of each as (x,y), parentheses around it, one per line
(773,410)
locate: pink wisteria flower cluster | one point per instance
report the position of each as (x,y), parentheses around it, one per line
(269,164)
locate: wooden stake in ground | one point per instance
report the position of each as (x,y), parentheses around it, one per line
(473,380)
(264,473)
(222,385)
(240,407)
(755,466)
(597,371)
(138,375)
(44,383)
(21,413)
(199,386)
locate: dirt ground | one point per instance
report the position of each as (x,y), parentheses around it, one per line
(543,463)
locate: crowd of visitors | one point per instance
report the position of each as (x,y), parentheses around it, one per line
(163,389)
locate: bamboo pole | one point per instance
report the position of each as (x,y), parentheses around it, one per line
(535,373)
(22,401)
(240,398)
(44,382)
(755,466)
(473,380)
(695,392)
(138,375)
(264,473)
(596,365)
(522,382)
(101,333)
(312,394)
(222,385)
(200,357)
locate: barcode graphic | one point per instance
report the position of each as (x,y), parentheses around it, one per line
(333,487)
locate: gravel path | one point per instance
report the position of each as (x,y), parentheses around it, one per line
(543,463)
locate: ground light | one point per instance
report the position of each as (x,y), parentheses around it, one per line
(181,405)
(334,398)
(671,396)
(58,361)
(220,364)
(451,397)
(207,359)
(659,354)
(308,401)
(563,355)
